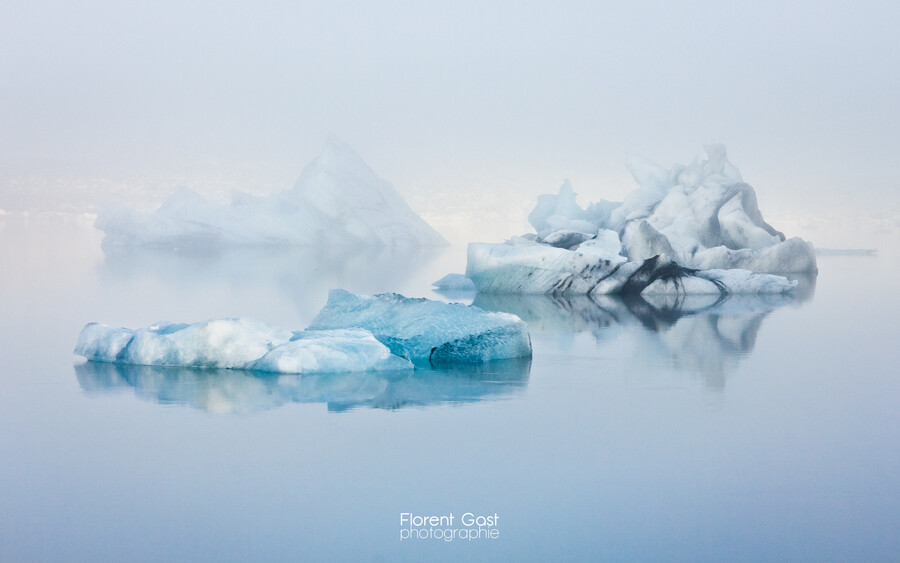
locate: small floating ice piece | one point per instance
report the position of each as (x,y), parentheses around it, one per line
(455,282)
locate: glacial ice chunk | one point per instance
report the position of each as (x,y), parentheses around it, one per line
(455,282)
(699,215)
(237,344)
(703,216)
(605,246)
(675,234)
(428,332)
(535,269)
(338,201)
(330,351)
(720,282)
(560,212)
(566,238)
(103,343)
(221,343)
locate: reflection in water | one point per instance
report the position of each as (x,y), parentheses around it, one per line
(703,334)
(303,274)
(242,392)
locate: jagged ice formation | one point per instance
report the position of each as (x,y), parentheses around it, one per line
(690,229)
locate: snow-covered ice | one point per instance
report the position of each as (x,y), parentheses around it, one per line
(691,229)
(428,332)
(238,344)
(338,201)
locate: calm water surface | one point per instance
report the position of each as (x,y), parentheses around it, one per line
(754,429)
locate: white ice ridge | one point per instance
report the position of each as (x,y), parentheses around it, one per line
(238,344)
(702,216)
(690,230)
(428,332)
(338,201)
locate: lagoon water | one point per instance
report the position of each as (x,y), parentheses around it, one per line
(755,429)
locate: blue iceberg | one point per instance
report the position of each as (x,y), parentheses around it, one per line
(238,344)
(352,333)
(428,332)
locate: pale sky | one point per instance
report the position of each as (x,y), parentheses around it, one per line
(485,104)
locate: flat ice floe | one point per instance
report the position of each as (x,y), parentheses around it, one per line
(238,344)
(352,333)
(338,201)
(428,332)
(691,229)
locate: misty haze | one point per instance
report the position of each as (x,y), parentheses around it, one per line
(604,281)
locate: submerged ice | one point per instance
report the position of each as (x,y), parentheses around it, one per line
(338,201)
(689,230)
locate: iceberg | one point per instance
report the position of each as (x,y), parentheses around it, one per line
(238,344)
(702,215)
(330,351)
(693,229)
(428,332)
(455,282)
(537,268)
(338,201)
(352,333)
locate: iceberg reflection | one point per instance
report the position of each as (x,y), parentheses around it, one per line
(303,275)
(706,335)
(244,392)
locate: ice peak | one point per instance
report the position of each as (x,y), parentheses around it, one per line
(336,150)
(337,201)
(339,160)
